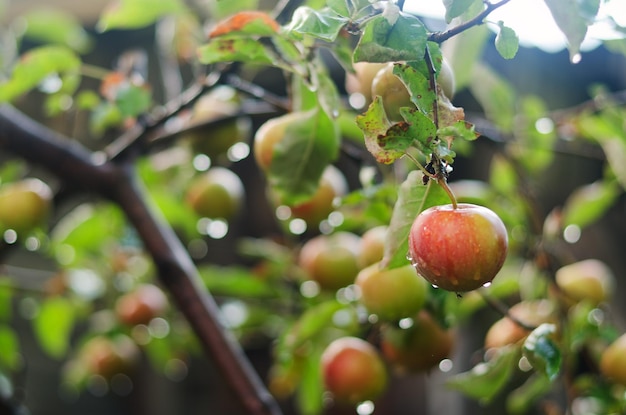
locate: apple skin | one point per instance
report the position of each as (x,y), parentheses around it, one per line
(372,245)
(360,82)
(24,205)
(353,370)
(141,305)
(587,280)
(391,294)
(108,356)
(393,92)
(613,361)
(331,260)
(505,331)
(333,184)
(217,193)
(446,80)
(458,249)
(418,348)
(269,134)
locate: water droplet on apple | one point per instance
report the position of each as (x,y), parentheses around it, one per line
(365,408)
(487,284)
(435,286)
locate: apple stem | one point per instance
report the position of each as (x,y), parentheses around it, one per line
(444,184)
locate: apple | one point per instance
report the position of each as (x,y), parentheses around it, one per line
(505,331)
(141,305)
(333,184)
(331,260)
(24,205)
(108,356)
(393,92)
(353,370)
(391,294)
(217,193)
(372,245)
(269,135)
(220,102)
(458,248)
(360,82)
(418,348)
(590,280)
(445,79)
(613,361)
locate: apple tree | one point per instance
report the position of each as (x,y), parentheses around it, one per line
(288,175)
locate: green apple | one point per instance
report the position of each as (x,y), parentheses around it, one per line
(24,205)
(372,245)
(391,294)
(589,279)
(613,361)
(217,193)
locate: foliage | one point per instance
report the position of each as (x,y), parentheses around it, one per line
(404,164)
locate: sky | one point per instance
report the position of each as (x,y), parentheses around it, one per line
(533,22)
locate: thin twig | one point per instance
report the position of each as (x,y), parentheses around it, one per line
(504,310)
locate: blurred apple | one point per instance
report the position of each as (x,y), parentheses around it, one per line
(505,331)
(218,193)
(590,280)
(141,305)
(372,245)
(24,205)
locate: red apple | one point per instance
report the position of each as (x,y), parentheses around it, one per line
(391,294)
(331,260)
(418,348)
(352,370)
(108,356)
(458,249)
(141,305)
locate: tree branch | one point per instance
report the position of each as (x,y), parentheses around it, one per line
(440,37)
(116,181)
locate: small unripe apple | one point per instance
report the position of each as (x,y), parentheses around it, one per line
(353,371)
(418,348)
(331,260)
(218,193)
(458,248)
(361,81)
(108,356)
(24,205)
(270,134)
(333,184)
(220,102)
(613,361)
(590,280)
(393,92)
(391,294)
(141,305)
(505,331)
(445,79)
(372,245)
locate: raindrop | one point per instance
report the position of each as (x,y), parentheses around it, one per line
(406,323)
(435,286)
(576,58)
(365,408)
(446,365)
(487,284)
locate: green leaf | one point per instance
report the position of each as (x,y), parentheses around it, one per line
(507,42)
(312,322)
(36,65)
(6,297)
(235,281)
(486,380)
(615,151)
(224,8)
(413,197)
(521,399)
(310,391)
(324,24)
(133,100)
(237,49)
(572,20)
(386,40)
(53,326)
(302,155)
(135,14)
(460,129)
(51,25)
(455,8)
(542,353)
(418,84)
(10,357)
(463,51)
(589,202)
